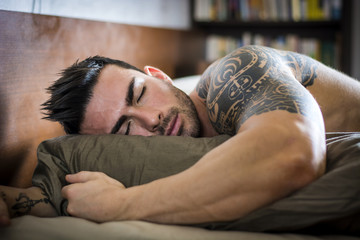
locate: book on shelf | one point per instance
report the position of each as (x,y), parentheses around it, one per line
(324,51)
(267,10)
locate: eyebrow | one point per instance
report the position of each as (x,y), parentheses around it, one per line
(129,100)
(130,92)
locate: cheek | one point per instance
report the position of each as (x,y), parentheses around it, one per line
(163,97)
(138,131)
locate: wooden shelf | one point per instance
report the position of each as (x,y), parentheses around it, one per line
(265,24)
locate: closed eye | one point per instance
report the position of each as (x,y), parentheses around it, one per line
(141,94)
(128,128)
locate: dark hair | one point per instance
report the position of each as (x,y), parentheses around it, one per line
(71,93)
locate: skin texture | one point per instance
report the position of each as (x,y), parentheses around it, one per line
(337,94)
(265,98)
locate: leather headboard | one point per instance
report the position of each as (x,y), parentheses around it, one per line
(34,48)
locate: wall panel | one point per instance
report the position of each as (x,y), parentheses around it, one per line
(34,48)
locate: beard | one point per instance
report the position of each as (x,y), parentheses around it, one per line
(186,108)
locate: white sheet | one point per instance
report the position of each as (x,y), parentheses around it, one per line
(187,84)
(65,228)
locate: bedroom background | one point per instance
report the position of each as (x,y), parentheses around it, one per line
(186,15)
(39,38)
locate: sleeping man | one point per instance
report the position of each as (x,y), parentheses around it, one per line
(267,100)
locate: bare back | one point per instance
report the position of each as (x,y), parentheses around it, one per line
(337,94)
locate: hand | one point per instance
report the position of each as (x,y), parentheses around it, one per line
(91,195)
(4,213)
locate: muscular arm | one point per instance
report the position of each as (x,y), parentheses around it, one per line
(278,144)
(278,147)
(17,202)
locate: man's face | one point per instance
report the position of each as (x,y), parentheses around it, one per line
(128,102)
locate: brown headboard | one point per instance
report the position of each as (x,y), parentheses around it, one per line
(34,48)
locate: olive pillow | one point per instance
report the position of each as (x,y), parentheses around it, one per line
(132,160)
(135,160)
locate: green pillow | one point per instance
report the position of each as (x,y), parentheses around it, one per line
(135,160)
(132,160)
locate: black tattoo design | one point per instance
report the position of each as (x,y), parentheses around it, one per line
(24,204)
(303,67)
(202,88)
(251,81)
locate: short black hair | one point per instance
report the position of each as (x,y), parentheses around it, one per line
(71,93)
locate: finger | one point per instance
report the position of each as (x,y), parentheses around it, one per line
(81,177)
(70,191)
(65,191)
(4,214)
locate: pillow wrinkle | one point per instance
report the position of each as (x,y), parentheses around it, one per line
(134,160)
(45,172)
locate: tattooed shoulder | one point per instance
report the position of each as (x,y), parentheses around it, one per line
(251,81)
(202,88)
(303,67)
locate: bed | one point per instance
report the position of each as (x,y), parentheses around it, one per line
(329,208)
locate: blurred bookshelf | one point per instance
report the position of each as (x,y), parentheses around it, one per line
(318,28)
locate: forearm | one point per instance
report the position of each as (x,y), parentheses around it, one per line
(30,201)
(247,172)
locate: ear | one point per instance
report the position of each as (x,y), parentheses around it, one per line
(155,72)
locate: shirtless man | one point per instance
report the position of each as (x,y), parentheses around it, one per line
(258,95)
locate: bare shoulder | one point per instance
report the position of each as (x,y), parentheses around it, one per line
(249,82)
(304,68)
(337,94)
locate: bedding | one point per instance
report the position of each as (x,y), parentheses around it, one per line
(187,84)
(66,228)
(132,160)
(333,200)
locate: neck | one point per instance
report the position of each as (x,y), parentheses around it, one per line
(207,130)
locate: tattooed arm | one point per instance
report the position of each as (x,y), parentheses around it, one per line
(278,143)
(15,202)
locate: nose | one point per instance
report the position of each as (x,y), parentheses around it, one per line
(148,118)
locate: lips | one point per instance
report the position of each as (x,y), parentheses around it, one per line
(174,126)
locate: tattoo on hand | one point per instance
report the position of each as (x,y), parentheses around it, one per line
(24,204)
